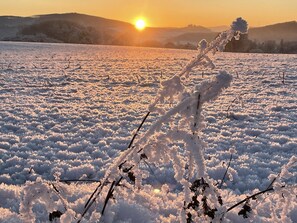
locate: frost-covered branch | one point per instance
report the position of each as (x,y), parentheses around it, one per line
(276,179)
(178,126)
(173,87)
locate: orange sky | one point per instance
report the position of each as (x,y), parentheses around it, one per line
(164,12)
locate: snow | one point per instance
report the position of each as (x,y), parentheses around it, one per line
(69,110)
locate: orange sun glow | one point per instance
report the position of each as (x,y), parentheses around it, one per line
(140,24)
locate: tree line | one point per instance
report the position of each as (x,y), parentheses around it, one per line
(70,32)
(245,45)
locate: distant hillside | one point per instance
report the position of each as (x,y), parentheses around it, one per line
(10,25)
(86,20)
(49,28)
(277,32)
(219,29)
(80,28)
(41,28)
(193,37)
(282,31)
(165,35)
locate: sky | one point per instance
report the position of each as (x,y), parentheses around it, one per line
(164,13)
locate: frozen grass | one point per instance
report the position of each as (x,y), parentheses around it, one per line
(68,110)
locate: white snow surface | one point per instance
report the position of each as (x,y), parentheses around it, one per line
(68,110)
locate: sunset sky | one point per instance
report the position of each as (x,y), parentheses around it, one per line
(169,13)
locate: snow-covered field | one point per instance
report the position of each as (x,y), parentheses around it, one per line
(68,110)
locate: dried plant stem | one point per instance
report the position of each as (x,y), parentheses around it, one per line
(197,114)
(110,193)
(57,192)
(283,81)
(69,181)
(108,196)
(250,197)
(138,129)
(223,179)
(92,195)
(99,188)
(89,202)
(232,102)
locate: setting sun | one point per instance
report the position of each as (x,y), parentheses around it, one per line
(140,24)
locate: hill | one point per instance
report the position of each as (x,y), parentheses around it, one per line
(10,25)
(45,28)
(80,28)
(286,31)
